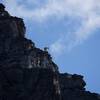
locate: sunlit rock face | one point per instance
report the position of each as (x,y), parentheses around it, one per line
(28,73)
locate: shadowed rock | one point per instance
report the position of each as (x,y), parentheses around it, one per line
(28,73)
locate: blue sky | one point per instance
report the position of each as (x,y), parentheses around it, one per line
(71,30)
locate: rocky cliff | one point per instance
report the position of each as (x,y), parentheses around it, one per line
(28,73)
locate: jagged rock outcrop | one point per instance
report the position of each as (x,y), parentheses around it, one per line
(72,88)
(28,73)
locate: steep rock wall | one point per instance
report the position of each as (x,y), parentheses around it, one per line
(28,73)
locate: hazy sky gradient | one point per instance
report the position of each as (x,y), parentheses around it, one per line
(70,28)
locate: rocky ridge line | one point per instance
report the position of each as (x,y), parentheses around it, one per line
(28,73)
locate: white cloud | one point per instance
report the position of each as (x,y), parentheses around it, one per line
(88,11)
(57,48)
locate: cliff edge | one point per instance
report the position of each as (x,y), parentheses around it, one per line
(28,73)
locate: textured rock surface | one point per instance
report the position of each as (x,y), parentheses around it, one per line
(28,73)
(72,88)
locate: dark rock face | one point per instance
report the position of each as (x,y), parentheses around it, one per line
(28,73)
(26,84)
(72,88)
